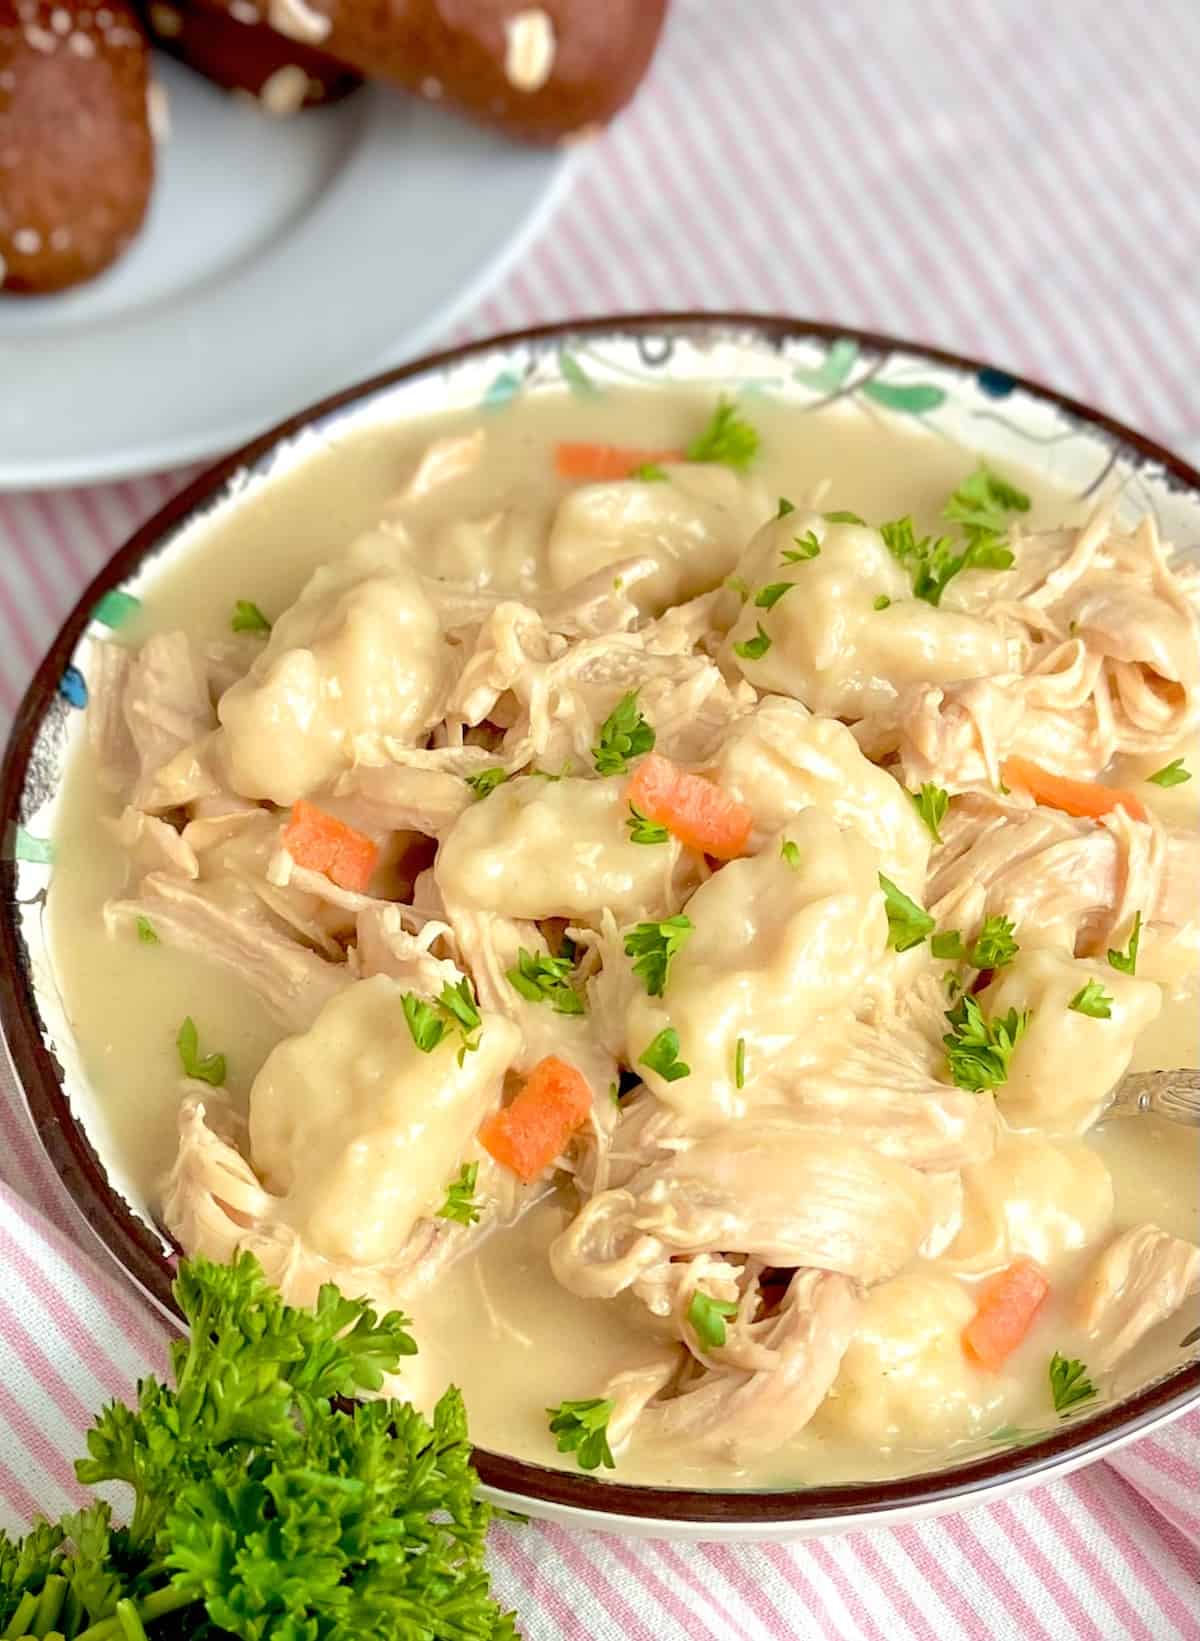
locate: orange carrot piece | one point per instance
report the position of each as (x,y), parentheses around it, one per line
(527,1135)
(598,462)
(1086,798)
(1007,1307)
(325,844)
(693,808)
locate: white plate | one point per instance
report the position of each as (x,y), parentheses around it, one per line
(280,261)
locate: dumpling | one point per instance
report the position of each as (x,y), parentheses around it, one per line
(1044,1198)
(905,1380)
(695,525)
(1067,1063)
(776,949)
(359,1130)
(828,643)
(358,659)
(539,848)
(780,759)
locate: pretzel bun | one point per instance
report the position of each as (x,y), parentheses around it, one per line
(76,152)
(239,51)
(541,72)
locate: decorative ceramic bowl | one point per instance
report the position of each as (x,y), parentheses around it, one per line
(807,365)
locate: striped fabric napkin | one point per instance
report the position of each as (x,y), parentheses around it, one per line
(1016,179)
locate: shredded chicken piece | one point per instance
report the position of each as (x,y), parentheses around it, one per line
(108,733)
(1140,1279)
(205,918)
(153,844)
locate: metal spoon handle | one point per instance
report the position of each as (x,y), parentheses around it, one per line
(1171,1094)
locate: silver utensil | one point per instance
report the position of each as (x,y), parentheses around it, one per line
(1174,1095)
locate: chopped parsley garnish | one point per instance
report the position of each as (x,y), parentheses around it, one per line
(768,597)
(785,507)
(542,979)
(652,947)
(624,734)
(662,1056)
(737,584)
(1172,774)
(882,602)
(642,830)
(1069,1383)
(908,923)
(707,1317)
(1126,962)
(932,803)
(1092,1000)
(460,1204)
(753,649)
(978,506)
(257,1504)
(790,852)
(614,1094)
(650,473)
(948,944)
(995,946)
(728,439)
(247,617)
(209,1068)
(146,932)
(428,1023)
(843,516)
(582,1428)
(978,1049)
(739,1064)
(487,780)
(807,546)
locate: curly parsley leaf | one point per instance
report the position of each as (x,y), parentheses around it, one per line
(487,780)
(650,473)
(785,507)
(843,516)
(981,504)
(543,979)
(1092,1000)
(426,1026)
(728,439)
(247,617)
(430,1022)
(908,923)
(624,734)
(1172,774)
(931,804)
(1069,1383)
(790,852)
(807,546)
(978,506)
(753,649)
(653,946)
(460,1204)
(582,1428)
(948,945)
(1126,962)
(208,1068)
(768,597)
(994,947)
(146,932)
(707,1318)
(978,1049)
(882,602)
(662,1056)
(643,830)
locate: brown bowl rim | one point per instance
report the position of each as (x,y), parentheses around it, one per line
(139,1252)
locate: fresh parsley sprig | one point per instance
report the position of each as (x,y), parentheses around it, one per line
(624,734)
(978,506)
(582,1428)
(430,1022)
(978,1049)
(707,1318)
(1093,1000)
(247,617)
(753,649)
(728,439)
(540,978)
(1126,962)
(487,780)
(931,803)
(258,1509)
(662,1056)
(1172,774)
(644,830)
(207,1068)
(653,946)
(908,923)
(460,1204)
(1069,1383)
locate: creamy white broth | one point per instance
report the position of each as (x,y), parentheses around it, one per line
(496,1321)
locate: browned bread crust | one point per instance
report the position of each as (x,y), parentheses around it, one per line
(542,72)
(239,51)
(76,152)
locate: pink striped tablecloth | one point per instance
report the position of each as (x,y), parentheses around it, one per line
(1018,179)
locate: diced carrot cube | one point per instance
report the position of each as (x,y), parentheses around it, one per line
(1007,1307)
(325,844)
(527,1135)
(694,809)
(1085,798)
(600,462)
